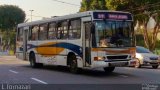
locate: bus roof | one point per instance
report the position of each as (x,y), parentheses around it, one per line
(65,17)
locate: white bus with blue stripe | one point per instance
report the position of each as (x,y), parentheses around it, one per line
(84,40)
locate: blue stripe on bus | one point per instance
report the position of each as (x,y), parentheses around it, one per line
(75,48)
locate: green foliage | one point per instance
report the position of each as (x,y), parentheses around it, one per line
(117,4)
(110,4)
(139,8)
(141,18)
(157,48)
(9,39)
(158,44)
(87,5)
(10,16)
(139,40)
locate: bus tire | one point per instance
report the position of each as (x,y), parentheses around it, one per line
(109,69)
(32,60)
(155,66)
(73,64)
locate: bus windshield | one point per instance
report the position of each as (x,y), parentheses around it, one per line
(114,33)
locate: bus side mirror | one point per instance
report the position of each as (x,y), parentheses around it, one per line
(92,28)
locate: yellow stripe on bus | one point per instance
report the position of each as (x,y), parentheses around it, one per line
(47,49)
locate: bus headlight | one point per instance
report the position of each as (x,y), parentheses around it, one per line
(99,58)
(139,56)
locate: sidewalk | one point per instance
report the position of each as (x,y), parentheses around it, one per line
(12,60)
(5,54)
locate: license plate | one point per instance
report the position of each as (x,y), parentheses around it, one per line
(119,64)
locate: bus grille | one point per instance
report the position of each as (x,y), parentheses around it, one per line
(117,57)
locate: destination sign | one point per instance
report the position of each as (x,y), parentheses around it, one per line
(112,15)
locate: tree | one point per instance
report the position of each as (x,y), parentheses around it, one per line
(10,16)
(87,5)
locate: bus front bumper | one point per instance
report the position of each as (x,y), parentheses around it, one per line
(97,64)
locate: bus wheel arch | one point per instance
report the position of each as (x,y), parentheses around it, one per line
(72,62)
(68,58)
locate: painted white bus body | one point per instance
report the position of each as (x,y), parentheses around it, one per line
(55,52)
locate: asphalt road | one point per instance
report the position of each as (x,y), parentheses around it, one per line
(15,71)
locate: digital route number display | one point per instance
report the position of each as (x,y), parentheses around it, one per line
(112,15)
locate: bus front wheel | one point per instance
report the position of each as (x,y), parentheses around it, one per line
(109,69)
(155,66)
(33,63)
(73,64)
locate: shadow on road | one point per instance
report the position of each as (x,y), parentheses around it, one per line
(145,67)
(84,72)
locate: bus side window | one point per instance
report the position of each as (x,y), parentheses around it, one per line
(30,34)
(20,34)
(74,29)
(59,33)
(43,31)
(65,29)
(62,30)
(52,31)
(33,36)
(35,30)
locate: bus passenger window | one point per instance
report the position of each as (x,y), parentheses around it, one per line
(52,35)
(52,31)
(33,36)
(20,34)
(75,29)
(71,36)
(62,30)
(60,34)
(35,30)
(43,32)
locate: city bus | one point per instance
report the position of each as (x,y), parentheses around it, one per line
(85,40)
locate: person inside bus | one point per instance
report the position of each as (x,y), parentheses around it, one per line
(103,42)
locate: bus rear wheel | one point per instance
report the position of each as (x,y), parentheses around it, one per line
(155,66)
(32,60)
(109,69)
(73,64)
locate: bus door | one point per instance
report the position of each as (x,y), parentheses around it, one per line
(86,38)
(25,38)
